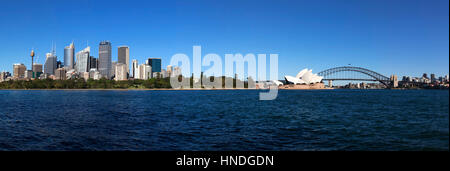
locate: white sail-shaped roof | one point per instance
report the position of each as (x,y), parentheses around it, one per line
(305,76)
(278,83)
(301,73)
(294,80)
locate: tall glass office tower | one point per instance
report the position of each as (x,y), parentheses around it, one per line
(83,61)
(123,56)
(69,56)
(155,63)
(50,63)
(104,59)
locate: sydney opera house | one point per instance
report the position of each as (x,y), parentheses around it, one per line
(305,79)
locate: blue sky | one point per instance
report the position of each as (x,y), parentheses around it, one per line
(403,37)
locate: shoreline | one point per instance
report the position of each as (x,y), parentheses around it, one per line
(112,89)
(170,89)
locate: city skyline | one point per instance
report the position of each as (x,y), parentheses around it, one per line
(417,45)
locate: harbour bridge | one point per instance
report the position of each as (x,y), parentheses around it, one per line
(350,73)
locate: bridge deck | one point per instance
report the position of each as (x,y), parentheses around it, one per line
(348,79)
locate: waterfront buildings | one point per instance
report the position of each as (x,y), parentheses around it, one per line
(28,74)
(394,80)
(113,68)
(50,63)
(69,54)
(433,77)
(4,76)
(60,74)
(85,75)
(93,62)
(19,70)
(59,64)
(145,71)
(104,59)
(164,73)
(155,63)
(83,60)
(134,68)
(94,74)
(121,72)
(123,56)
(71,74)
(37,68)
(169,70)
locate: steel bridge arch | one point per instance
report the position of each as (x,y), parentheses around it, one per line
(376,76)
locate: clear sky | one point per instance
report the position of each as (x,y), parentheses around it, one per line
(403,37)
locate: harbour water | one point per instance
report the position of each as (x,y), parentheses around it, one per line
(224,120)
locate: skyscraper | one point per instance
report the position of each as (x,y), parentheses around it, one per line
(60,74)
(93,62)
(145,71)
(37,67)
(394,80)
(124,56)
(59,64)
(19,70)
(37,70)
(50,63)
(433,77)
(120,72)
(155,63)
(113,68)
(169,70)
(69,54)
(135,68)
(104,59)
(83,61)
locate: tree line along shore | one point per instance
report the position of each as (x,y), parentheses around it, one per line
(153,83)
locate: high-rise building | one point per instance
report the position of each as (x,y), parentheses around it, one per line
(69,56)
(425,75)
(169,70)
(164,73)
(135,68)
(50,63)
(433,77)
(60,74)
(394,80)
(83,61)
(113,68)
(104,59)
(93,62)
(59,64)
(121,72)
(124,56)
(19,70)
(155,63)
(145,71)
(4,76)
(28,74)
(37,70)
(37,67)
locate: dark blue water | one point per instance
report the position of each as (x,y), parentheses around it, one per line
(224,120)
